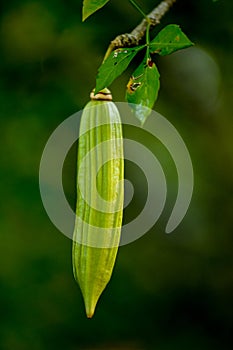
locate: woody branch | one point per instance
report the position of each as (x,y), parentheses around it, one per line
(134,38)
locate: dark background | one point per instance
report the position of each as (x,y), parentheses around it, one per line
(167,291)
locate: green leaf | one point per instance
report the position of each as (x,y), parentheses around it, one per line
(142,89)
(91,6)
(168,40)
(114,66)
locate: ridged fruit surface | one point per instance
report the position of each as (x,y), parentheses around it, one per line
(100,196)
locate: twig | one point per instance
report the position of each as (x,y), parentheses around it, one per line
(134,38)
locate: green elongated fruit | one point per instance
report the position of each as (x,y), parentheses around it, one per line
(100,196)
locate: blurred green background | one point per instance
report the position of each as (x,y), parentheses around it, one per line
(167,291)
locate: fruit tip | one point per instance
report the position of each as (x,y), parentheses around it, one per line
(90,310)
(90,313)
